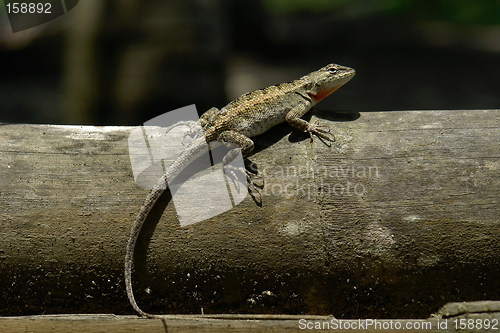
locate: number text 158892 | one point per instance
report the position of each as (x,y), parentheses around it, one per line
(28,8)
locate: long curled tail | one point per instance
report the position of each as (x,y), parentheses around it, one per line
(150,201)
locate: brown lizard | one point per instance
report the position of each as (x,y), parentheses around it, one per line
(249,115)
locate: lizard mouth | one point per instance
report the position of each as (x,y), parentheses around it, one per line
(322,94)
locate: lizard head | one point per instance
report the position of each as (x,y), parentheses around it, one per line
(326,80)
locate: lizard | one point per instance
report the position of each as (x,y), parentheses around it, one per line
(247,116)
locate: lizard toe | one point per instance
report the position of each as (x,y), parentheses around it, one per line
(322,132)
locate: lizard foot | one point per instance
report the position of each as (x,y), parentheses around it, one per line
(251,177)
(189,123)
(323,132)
(233,172)
(194,128)
(253,189)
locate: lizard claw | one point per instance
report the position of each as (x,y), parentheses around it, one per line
(323,132)
(232,171)
(252,188)
(189,123)
(193,128)
(251,181)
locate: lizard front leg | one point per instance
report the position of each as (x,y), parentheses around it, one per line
(293,118)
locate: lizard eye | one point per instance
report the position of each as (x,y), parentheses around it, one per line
(333,70)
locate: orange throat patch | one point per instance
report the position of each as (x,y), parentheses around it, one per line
(322,94)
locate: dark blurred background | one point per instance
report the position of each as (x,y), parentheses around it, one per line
(122,62)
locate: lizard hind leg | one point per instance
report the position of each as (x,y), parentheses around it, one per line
(194,129)
(232,172)
(189,123)
(254,188)
(244,146)
(208,116)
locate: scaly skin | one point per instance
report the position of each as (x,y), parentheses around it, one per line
(249,115)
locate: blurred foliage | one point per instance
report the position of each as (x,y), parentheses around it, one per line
(463,12)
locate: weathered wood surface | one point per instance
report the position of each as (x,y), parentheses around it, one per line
(398,217)
(453,317)
(111,324)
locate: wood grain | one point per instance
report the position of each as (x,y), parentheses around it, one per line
(398,217)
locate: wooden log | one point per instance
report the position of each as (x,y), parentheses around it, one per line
(398,217)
